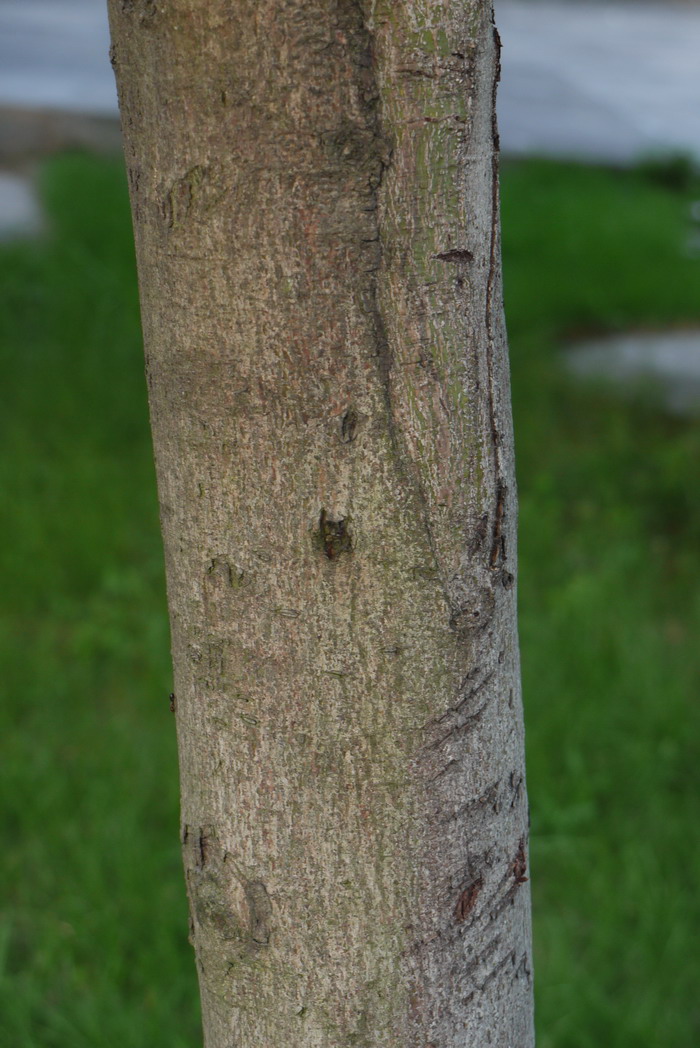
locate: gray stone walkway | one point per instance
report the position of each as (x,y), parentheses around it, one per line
(662,366)
(584,79)
(594,81)
(20,215)
(54,54)
(600,81)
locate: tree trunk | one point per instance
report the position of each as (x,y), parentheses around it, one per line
(315,198)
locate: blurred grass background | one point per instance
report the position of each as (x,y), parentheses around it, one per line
(93,928)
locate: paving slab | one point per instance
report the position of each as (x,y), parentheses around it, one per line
(55,53)
(662,366)
(20,213)
(597,81)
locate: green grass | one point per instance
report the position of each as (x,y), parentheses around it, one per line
(93,950)
(93,927)
(610,612)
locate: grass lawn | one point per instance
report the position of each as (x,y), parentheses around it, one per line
(93,929)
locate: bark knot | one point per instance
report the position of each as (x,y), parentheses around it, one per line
(520,863)
(195,192)
(455,254)
(144,10)
(467,900)
(334,536)
(474,610)
(259,911)
(348,426)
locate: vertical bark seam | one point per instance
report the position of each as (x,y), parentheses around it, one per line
(497,553)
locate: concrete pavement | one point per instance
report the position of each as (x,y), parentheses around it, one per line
(595,81)
(598,81)
(54,54)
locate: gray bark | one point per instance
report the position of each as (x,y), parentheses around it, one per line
(315,198)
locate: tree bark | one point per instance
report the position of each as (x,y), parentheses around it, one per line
(315,198)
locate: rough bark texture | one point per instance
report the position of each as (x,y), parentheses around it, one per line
(315,199)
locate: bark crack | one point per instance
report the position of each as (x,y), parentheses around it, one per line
(385,360)
(497,552)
